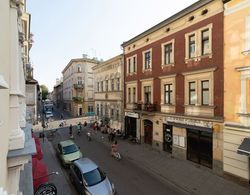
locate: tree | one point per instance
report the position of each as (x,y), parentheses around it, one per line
(45,91)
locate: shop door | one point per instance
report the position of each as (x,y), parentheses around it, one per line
(167,138)
(199,147)
(148,132)
(130,126)
(80,111)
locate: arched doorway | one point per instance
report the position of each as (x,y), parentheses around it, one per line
(148,132)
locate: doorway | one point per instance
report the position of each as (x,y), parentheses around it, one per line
(80,111)
(167,138)
(148,132)
(200,147)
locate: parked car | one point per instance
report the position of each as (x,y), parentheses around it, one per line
(48,114)
(89,178)
(67,152)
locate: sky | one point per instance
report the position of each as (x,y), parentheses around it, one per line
(66,29)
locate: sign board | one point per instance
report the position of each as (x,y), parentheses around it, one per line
(132,114)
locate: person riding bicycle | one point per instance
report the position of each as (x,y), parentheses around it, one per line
(79,128)
(114,148)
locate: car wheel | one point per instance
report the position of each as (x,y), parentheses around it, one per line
(71,179)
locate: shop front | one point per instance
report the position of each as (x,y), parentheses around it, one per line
(132,127)
(193,139)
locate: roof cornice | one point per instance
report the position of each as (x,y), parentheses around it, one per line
(169,20)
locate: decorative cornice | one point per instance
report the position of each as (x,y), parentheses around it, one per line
(199,71)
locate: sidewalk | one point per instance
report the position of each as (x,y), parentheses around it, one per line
(186,175)
(49,158)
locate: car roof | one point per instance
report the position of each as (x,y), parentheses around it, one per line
(66,143)
(85,165)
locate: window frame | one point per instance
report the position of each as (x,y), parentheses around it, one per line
(190,91)
(202,92)
(147,67)
(168,93)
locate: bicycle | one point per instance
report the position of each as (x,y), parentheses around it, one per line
(51,135)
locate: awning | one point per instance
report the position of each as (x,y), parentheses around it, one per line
(40,173)
(244,147)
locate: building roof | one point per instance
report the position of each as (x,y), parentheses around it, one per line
(107,61)
(169,20)
(95,61)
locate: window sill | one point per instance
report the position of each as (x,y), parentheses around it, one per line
(198,58)
(246,52)
(147,70)
(167,65)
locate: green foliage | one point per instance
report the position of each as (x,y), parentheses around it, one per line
(45,91)
(77,99)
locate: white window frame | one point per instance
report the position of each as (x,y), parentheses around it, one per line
(143,60)
(163,52)
(198,43)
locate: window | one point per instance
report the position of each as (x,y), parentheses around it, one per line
(118,84)
(168,54)
(147,94)
(191,40)
(79,80)
(101,85)
(117,114)
(106,110)
(90,109)
(134,94)
(107,85)
(247,34)
(147,60)
(129,95)
(112,85)
(205,92)
(168,92)
(97,84)
(205,42)
(129,65)
(112,113)
(101,110)
(97,110)
(134,64)
(192,93)
(79,68)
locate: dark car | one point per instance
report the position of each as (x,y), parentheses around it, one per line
(89,179)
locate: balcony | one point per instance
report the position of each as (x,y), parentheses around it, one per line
(148,107)
(78,86)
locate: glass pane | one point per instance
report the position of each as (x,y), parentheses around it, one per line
(192,85)
(205,34)
(205,97)
(192,97)
(205,84)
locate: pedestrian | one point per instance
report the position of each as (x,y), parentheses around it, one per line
(61,116)
(71,131)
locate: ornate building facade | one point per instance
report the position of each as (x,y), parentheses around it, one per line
(109,91)
(17,145)
(174,84)
(78,86)
(236,152)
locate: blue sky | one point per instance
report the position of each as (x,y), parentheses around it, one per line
(65,29)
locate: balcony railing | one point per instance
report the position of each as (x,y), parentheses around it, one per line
(148,107)
(78,86)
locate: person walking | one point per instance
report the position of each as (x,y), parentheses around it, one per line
(71,131)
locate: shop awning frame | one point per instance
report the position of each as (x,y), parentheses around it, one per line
(244,147)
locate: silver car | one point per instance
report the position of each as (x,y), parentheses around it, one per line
(89,179)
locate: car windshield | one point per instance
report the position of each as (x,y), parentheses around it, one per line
(94,177)
(70,149)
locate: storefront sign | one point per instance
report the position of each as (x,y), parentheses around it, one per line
(184,121)
(132,114)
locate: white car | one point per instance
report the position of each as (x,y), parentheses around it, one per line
(48,114)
